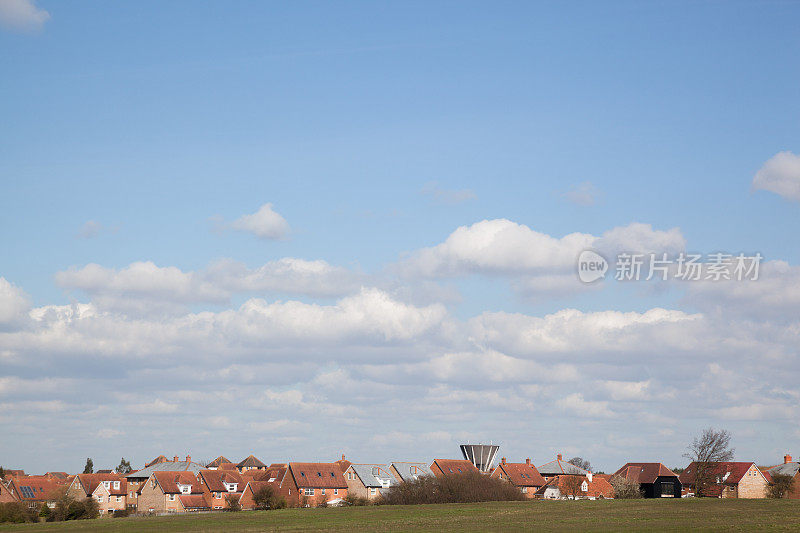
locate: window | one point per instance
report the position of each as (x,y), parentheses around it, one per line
(107,484)
(667,489)
(335,492)
(323,492)
(116,484)
(309,492)
(119,499)
(172,497)
(524,490)
(133,495)
(100,498)
(373,491)
(584,486)
(217,495)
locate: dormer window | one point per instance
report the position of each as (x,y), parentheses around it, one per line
(107,484)
(116,484)
(584,486)
(231,487)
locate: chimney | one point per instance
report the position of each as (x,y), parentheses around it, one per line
(528,461)
(175,459)
(503,460)
(787,459)
(342,457)
(188,458)
(589,476)
(558,457)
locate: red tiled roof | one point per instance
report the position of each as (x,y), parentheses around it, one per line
(39,488)
(272,471)
(521,474)
(89,482)
(215,479)
(644,472)
(251,462)
(318,475)
(194,501)
(159,459)
(169,481)
(227,466)
(729,473)
(453,466)
(218,461)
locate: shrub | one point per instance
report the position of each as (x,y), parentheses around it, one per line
(357,501)
(232,503)
(265,498)
(466,487)
(121,513)
(68,508)
(17,512)
(625,489)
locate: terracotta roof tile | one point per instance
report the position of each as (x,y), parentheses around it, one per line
(318,475)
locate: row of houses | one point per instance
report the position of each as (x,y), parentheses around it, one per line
(166,486)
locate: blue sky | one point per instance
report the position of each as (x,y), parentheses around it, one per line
(141,132)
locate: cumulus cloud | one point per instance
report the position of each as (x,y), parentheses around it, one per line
(781,175)
(22,15)
(145,287)
(534,262)
(264,224)
(14,304)
(287,275)
(447,196)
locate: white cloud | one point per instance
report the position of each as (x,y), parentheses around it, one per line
(14,304)
(535,261)
(628,390)
(781,175)
(584,194)
(264,223)
(22,15)
(143,280)
(287,275)
(575,404)
(447,196)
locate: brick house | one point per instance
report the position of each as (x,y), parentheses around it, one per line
(559,467)
(38,490)
(589,487)
(6,496)
(108,490)
(524,476)
(219,485)
(314,484)
(215,464)
(251,462)
(655,480)
(273,477)
(792,469)
(409,471)
(446,467)
(727,480)
(167,492)
(368,481)
(137,478)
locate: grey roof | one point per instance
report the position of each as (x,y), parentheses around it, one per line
(410,471)
(371,475)
(787,469)
(169,466)
(556,468)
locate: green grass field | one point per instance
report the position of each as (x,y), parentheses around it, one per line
(607,515)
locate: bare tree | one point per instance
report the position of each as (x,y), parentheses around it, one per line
(781,486)
(625,489)
(580,462)
(571,485)
(712,446)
